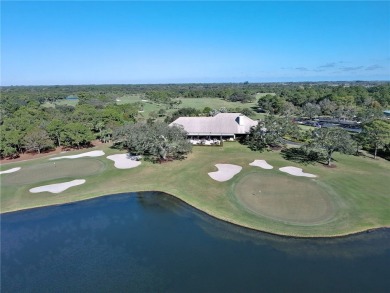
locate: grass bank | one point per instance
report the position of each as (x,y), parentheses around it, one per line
(357,190)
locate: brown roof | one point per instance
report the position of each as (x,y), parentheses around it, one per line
(220,124)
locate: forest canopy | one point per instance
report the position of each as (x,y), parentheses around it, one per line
(35,118)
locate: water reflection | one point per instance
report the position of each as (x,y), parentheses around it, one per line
(359,245)
(362,244)
(152,242)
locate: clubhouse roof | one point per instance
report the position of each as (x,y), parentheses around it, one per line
(222,124)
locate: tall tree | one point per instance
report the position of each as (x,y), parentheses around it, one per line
(330,140)
(9,141)
(288,109)
(311,110)
(36,140)
(377,133)
(55,129)
(157,140)
(77,134)
(269,133)
(328,107)
(271,103)
(86,114)
(368,114)
(12,139)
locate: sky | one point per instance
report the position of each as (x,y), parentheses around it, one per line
(127,42)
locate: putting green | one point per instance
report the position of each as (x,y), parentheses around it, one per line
(66,168)
(292,200)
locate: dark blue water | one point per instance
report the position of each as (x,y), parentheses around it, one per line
(152,242)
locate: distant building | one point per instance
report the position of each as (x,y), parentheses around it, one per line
(71,97)
(386,113)
(225,126)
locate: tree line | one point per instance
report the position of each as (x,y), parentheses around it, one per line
(355,93)
(35,128)
(26,125)
(318,144)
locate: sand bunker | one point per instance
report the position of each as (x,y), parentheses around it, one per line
(88,154)
(58,187)
(261,163)
(296,172)
(10,170)
(124,161)
(225,172)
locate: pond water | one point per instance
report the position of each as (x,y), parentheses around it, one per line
(152,242)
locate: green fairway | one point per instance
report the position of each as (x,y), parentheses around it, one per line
(258,95)
(306,127)
(62,102)
(197,103)
(350,198)
(213,103)
(49,170)
(127,99)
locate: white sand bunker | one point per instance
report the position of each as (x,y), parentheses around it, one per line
(225,172)
(10,170)
(87,154)
(296,172)
(261,163)
(124,161)
(58,187)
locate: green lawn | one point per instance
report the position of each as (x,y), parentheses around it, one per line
(62,102)
(306,127)
(149,106)
(213,103)
(258,95)
(127,99)
(352,197)
(197,103)
(306,203)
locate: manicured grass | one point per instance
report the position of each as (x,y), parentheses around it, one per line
(213,103)
(355,194)
(49,170)
(306,127)
(127,99)
(149,106)
(62,102)
(285,198)
(258,95)
(197,103)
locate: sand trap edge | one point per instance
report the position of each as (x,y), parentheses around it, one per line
(122,161)
(57,187)
(10,170)
(225,172)
(87,154)
(296,172)
(262,164)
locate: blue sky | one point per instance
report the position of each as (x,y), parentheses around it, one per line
(74,42)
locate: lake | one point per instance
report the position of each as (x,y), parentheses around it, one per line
(152,242)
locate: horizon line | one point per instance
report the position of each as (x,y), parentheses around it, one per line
(184,83)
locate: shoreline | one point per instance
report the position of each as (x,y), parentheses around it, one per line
(218,207)
(210,214)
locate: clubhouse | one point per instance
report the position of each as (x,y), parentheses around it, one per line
(209,130)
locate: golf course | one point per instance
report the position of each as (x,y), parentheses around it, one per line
(351,198)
